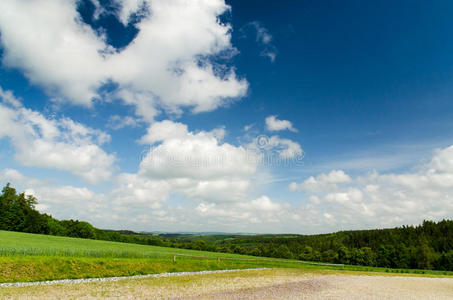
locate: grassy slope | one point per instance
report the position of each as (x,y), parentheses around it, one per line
(34,257)
(18,243)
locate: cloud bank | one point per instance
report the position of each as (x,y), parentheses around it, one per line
(383,200)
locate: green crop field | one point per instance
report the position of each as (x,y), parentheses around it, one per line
(18,243)
(35,257)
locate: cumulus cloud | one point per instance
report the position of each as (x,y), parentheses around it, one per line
(54,143)
(384,200)
(198,165)
(184,154)
(214,175)
(167,65)
(274,124)
(215,178)
(138,191)
(264,203)
(322,182)
(257,211)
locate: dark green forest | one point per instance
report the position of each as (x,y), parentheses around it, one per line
(426,246)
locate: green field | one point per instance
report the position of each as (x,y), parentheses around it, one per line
(35,257)
(24,244)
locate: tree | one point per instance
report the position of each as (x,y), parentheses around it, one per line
(369,257)
(329,256)
(283,252)
(55,228)
(343,255)
(307,254)
(424,255)
(199,245)
(255,252)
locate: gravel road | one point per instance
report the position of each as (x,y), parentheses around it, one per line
(253,284)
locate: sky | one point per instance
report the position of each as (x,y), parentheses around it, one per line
(239,116)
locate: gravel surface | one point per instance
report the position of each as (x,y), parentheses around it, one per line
(346,287)
(105,279)
(252,284)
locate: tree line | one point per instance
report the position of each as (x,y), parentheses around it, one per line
(426,246)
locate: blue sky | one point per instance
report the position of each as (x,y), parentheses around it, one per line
(158,115)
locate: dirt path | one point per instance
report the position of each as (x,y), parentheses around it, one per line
(258,284)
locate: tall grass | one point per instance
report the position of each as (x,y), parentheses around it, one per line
(26,244)
(76,253)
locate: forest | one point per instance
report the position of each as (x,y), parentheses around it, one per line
(425,246)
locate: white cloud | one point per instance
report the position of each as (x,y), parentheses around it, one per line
(48,41)
(260,210)
(129,7)
(184,154)
(134,190)
(117,122)
(266,149)
(12,175)
(55,143)
(286,148)
(443,160)
(322,182)
(385,200)
(265,204)
(197,165)
(166,66)
(216,177)
(8,98)
(274,124)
